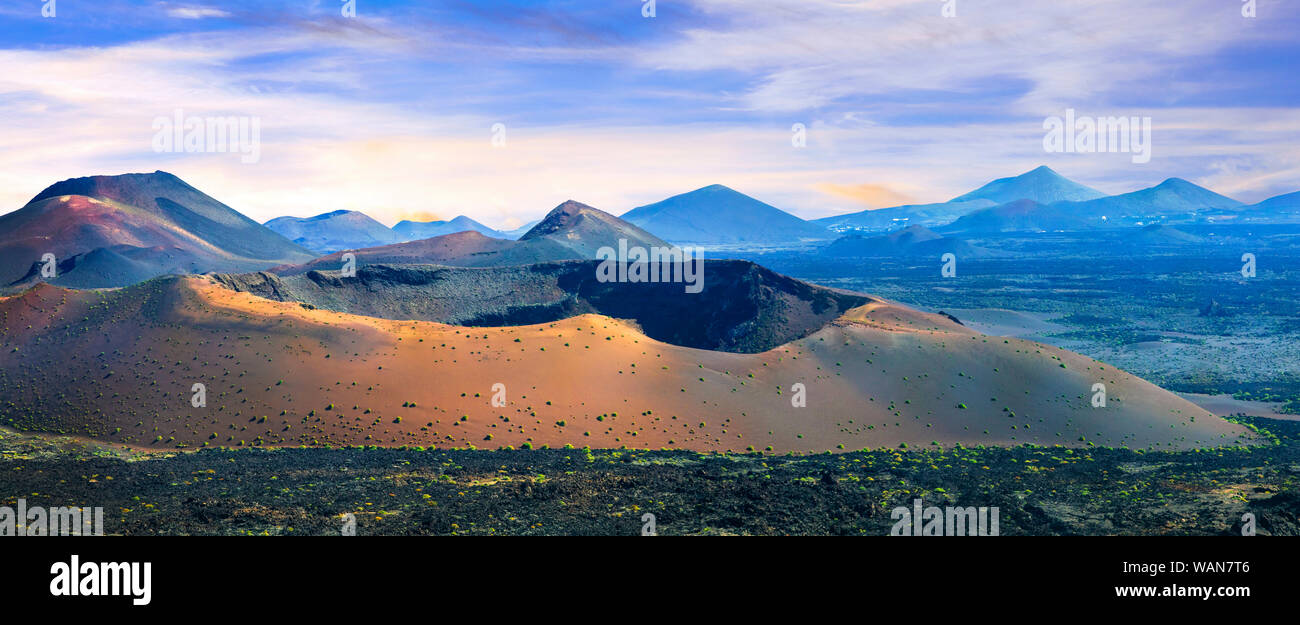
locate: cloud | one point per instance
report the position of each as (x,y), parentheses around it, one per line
(391,114)
(867,194)
(196,13)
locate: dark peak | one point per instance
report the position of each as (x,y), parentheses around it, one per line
(569,207)
(112,186)
(562,217)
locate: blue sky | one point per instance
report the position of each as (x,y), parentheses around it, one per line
(390,112)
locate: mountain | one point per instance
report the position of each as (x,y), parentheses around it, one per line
(415,230)
(1018,216)
(120,365)
(1174,197)
(520,231)
(1041,184)
(584,229)
(884,219)
(717,215)
(571,231)
(334,231)
(458,249)
(742,307)
(1282,207)
(913,241)
(156,221)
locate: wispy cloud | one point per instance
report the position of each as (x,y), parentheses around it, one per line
(195,12)
(390,112)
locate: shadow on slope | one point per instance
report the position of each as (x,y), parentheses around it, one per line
(743,307)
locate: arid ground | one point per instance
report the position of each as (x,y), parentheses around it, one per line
(122,365)
(394,491)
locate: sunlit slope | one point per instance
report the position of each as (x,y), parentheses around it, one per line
(120,366)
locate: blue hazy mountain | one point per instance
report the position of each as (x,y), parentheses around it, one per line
(1041,185)
(907,215)
(1280,208)
(1174,200)
(416,230)
(1017,216)
(717,215)
(1174,196)
(913,241)
(520,231)
(333,231)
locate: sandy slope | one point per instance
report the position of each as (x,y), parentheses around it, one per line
(883,375)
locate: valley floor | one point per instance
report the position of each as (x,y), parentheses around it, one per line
(1037,490)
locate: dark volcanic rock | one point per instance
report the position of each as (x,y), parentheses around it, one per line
(742,308)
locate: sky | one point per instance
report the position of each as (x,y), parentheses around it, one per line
(501,110)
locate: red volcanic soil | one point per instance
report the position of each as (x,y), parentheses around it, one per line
(151,223)
(119,366)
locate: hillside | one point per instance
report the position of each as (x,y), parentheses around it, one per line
(415,230)
(571,231)
(1041,184)
(1159,234)
(1281,208)
(459,249)
(743,307)
(156,221)
(1018,216)
(121,365)
(914,241)
(1174,198)
(885,219)
(718,215)
(333,231)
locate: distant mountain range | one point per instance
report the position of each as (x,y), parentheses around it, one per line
(718,215)
(520,231)
(571,231)
(1173,197)
(415,230)
(106,231)
(885,219)
(1041,185)
(117,365)
(1174,200)
(1278,209)
(1017,216)
(337,230)
(913,241)
(343,230)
